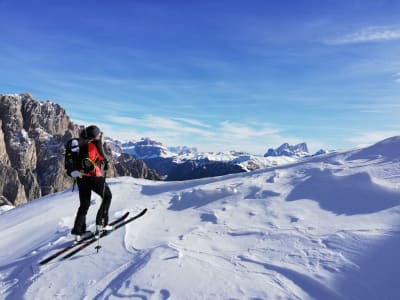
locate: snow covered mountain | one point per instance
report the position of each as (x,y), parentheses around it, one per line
(146,148)
(323,228)
(183,150)
(300,150)
(182,163)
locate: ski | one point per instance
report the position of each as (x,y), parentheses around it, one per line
(103,233)
(73,245)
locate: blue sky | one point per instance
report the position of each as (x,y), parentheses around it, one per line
(217,75)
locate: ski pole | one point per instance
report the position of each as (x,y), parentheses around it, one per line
(102,220)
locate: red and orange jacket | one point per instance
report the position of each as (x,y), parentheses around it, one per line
(95,156)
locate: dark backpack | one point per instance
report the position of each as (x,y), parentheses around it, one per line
(72,158)
(76,156)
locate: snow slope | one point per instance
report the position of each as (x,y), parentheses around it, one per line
(325,228)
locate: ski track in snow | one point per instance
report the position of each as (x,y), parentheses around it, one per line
(325,228)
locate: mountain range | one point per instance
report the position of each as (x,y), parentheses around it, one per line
(182,163)
(33,134)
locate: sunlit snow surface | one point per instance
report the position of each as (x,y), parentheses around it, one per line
(325,228)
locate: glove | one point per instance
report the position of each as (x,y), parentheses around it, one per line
(76,174)
(88,165)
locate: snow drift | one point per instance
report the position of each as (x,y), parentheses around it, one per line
(325,228)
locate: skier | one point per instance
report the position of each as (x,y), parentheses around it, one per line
(92,180)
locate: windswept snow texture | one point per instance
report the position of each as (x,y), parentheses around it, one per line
(325,228)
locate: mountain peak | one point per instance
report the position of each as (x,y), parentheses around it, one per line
(299,150)
(144,148)
(181,150)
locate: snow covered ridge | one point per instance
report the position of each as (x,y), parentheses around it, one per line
(298,151)
(323,228)
(146,148)
(181,163)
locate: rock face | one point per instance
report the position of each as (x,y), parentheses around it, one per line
(201,169)
(179,163)
(32,139)
(191,169)
(300,150)
(129,166)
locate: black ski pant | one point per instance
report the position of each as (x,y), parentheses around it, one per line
(86,185)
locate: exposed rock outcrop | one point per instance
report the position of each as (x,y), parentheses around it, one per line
(128,165)
(32,139)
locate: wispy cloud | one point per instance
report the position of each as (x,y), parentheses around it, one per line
(124,120)
(192,122)
(372,111)
(369,34)
(397,77)
(231,129)
(182,126)
(386,105)
(223,136)
(364,139)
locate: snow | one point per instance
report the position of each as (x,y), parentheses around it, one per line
(150,149)
(247,162)
(4,208)
(324,228)
(299,150)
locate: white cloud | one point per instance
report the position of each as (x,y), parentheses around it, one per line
(151,126)
(192,122)
(364,139)
(254,138)
(184,128)
(372,111)
(397,77)
(369,34)
(231,129)
(124,120)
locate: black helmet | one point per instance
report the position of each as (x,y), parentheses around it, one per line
(92,131)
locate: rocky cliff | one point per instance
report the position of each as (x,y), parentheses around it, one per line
(129,166)
(32,138)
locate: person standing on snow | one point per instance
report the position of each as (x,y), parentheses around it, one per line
(92,180)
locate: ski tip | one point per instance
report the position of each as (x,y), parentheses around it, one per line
(124,215)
